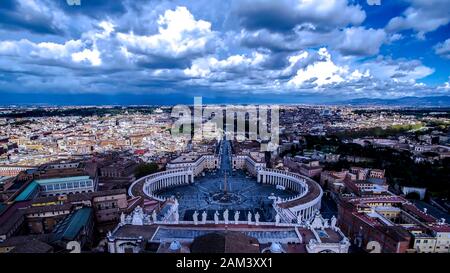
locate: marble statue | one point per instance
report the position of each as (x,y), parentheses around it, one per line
(299,218)
(154,216)
(166,218)
(225,216)
(312,243)
(122,218)
(249,218)
(317,221)
(344,241)
(257,218)
(204,215)
(236,217)
(277,219)
(216,217)
(333,222)
(176,216)
(147,219)
(195,217)
(138,217)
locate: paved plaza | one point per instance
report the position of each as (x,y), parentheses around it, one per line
(248,194)
(252,196)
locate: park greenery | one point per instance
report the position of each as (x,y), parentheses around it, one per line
(145,169)
(401,169)
(380,132)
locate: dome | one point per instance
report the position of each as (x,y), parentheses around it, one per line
(225,242)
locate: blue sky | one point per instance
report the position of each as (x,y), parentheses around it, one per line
(304,50)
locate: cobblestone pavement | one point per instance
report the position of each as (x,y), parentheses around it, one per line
(198,196)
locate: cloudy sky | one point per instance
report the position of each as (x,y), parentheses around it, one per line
(321,49)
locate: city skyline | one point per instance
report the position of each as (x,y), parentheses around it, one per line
(227,51)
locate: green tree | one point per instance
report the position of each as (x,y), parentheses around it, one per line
(413,195)
(145,169)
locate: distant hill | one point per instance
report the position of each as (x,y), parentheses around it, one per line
(436,101)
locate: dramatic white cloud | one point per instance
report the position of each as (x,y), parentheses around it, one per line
(292,41)
(399,70)
(37,16)
(37,51)
(354,41)
(361,42)
(323,72)
(446,85)
(284,15)
(179,35)
(203,67)
(288,46)
(292,25)
(422,16)
(443,49)
(92,56)
(312,71)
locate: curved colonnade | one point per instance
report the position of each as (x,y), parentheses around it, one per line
(162,180)
(301,207)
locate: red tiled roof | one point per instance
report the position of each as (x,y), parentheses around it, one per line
(417,212)
(440,228)
(380,199)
